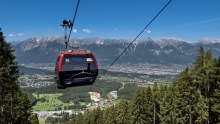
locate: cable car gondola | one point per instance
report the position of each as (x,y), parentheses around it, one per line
(75,67)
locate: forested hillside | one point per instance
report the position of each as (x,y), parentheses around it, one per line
(15,107)
(192,98)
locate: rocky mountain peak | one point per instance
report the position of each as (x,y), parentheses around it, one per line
(33,42)
(162,50)
(208,41)
(162,42)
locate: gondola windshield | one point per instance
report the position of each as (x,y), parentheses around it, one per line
(78,62)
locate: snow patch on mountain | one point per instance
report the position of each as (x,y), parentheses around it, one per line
(155,51)
(37,41)
(168,51)
(99,42)
(162,42)
(208,41)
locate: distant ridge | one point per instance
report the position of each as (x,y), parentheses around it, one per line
(157,51)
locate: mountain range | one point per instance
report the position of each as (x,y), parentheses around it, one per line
(159,51)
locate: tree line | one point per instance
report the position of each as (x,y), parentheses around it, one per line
(15,107)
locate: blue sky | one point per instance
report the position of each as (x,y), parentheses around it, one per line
(190,20)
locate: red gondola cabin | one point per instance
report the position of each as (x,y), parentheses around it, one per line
(75,68)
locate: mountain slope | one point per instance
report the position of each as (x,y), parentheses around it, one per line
(162,50)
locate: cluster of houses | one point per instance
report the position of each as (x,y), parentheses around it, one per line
(51,113)
(139,81)
(32,81)
(100,102)
(95,96)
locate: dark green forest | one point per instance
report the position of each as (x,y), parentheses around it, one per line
(192,98)
(15,107)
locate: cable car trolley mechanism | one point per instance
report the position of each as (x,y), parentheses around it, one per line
(74,67)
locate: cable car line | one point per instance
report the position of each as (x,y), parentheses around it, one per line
(69,24)
(135,39)
(73,19)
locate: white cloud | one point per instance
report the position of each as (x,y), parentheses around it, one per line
(74,31)
(20,34)
(148,31)
(87,30)
(11,35)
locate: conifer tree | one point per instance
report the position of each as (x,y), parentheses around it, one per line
(50,120)
(122,112)
(109,115)
(106,113)
(138,108)
(161,100)
(33,119)
(79,118)
(204,75)
(156,103)
(202,71)
(168,108)
(14,104)
(96,117)
(87,118)
(214,101)
(191,104)
(149,105)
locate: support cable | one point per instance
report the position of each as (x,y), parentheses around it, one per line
(73,20)
(135,39)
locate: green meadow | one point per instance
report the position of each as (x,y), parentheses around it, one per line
(51,102)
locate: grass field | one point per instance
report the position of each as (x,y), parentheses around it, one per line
(51,102)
